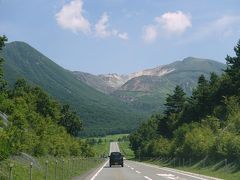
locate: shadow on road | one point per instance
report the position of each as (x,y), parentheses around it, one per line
(113,166)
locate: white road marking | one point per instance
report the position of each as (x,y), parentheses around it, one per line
(169,176)
(95,175)
(196,176)
(138,172)
(132,168)
(147,178)
(166,175)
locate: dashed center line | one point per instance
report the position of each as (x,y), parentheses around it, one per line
(147,178)
(166,175)
(132,168)
(138,172)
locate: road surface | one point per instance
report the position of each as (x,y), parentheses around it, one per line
(140,171)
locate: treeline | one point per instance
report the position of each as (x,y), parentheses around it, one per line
(205,125)
(36,123)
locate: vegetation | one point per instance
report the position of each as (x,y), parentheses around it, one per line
(101,114)
(218,170)
(36,124)
(125,149)
(70,167)
(148,93)
(203,126)
(100,145)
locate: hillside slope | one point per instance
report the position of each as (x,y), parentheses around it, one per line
(148,92)
(100,113)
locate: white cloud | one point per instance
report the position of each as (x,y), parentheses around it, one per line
(224,26)
(123,36)
(168,24)
(101,27)
(150,33)
(174,22)
(71,17)
(103,30)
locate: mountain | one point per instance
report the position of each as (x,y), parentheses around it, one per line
(108,83)
(94,81)
(100,113)
(146,90)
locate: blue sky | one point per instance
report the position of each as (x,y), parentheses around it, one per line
(123,36)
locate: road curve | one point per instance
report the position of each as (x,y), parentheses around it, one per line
(141,171)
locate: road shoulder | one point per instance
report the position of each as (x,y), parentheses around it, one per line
(87,175)
(177,171)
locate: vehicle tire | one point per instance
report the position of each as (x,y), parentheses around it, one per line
(110,165)
(122,164)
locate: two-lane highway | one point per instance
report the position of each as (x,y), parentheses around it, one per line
(140,171)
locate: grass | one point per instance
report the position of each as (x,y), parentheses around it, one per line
(110,138)
(65,170)
(101,149)
(213,169)
(218,170)
(125,149)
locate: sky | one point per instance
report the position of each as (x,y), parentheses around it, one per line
(123,36)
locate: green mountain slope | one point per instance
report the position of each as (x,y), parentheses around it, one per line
(148,93)
(100,113)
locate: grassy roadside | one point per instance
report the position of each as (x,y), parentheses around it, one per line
(101,149)
(66,169)
(228,172)
(100,145)
(124,148)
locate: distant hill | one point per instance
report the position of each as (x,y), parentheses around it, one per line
(146,90)
(100,113)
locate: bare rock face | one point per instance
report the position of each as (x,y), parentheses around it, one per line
(116,81)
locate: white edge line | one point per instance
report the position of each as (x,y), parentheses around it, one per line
(147,178)
(181,172)
(95,175)
(171,177)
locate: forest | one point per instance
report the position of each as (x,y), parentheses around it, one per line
(36,124)
(204,125)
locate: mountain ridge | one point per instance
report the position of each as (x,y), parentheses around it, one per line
(101,114)
(116,81)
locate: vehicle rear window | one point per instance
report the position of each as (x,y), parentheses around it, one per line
(116,154)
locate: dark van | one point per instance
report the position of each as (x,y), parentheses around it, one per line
(115,158)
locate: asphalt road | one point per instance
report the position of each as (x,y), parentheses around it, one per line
(140,171)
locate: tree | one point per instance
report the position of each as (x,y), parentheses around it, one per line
(175,102)
(70,121)
(3,83)
(174,106)
(233,69)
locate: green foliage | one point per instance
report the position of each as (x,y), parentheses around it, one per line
(70,121)
(100,114)
(175,102)
(3,83)
(148,93)
(207,124)
(36,123)
(233,69)
(198,142)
